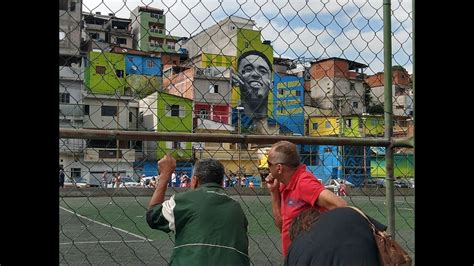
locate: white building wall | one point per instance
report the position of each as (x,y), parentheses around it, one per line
(329,91)
(95,119)
(402,104)
(202,92)
(68,23)
(220,38)
(148,121)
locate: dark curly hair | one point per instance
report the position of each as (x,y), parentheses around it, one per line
(303,222)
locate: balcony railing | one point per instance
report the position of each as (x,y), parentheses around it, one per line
(71,145)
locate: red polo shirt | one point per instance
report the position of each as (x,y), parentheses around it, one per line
(300,194)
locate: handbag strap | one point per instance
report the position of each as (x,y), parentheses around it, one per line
(365,216)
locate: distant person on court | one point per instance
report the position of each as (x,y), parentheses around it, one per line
(104,179)
(200,217)
(342,189)
(118,181)
(337,237)
(293,189)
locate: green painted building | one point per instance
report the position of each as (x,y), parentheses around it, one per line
(149,30)
(105,73)
(174,115)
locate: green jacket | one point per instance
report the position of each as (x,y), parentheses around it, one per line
(210,227)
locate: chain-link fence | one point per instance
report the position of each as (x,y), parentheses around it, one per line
(225,80)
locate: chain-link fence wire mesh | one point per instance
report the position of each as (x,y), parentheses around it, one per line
(310,68)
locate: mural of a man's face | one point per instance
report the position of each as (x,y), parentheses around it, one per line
(255,81)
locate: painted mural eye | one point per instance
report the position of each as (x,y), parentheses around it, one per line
(263,70)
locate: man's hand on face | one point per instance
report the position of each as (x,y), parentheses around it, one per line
(166,165)
(272,184)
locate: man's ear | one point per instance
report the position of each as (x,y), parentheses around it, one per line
(194,182)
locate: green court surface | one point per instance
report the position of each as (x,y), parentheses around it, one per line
(105,230)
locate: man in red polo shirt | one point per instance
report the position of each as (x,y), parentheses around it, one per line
(293,189)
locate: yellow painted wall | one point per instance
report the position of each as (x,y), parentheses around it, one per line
(323,130)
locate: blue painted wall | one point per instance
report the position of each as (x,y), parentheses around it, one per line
(331,164)
(288,102)
(328,164)
(137,64)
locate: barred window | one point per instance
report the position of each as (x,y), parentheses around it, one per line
(64,97)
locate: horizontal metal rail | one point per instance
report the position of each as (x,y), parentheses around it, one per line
(227,138)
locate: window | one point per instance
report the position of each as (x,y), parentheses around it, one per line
(361,123)
(63,5)
(315,126)
(121,41)
(100,70)
(64,97)
(203,113)
(157,16)
(172,110)
(355,104)
(400,91)
(150,63)
(119,73)
(109,110)
(298,93)
(75,173)
(86,109)
(109,154)
(281,91)
(176,145)
(327,124)
(352,86)
(130,117)
(137,145)
(94,35)
(373,122)
(327,149)
(246,44)
(348,122)
(214,88)
(72,6)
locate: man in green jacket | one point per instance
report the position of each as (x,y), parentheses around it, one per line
(210,227)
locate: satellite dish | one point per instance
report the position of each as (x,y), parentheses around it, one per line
(134,68)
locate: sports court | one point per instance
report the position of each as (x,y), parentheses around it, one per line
(113,230)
